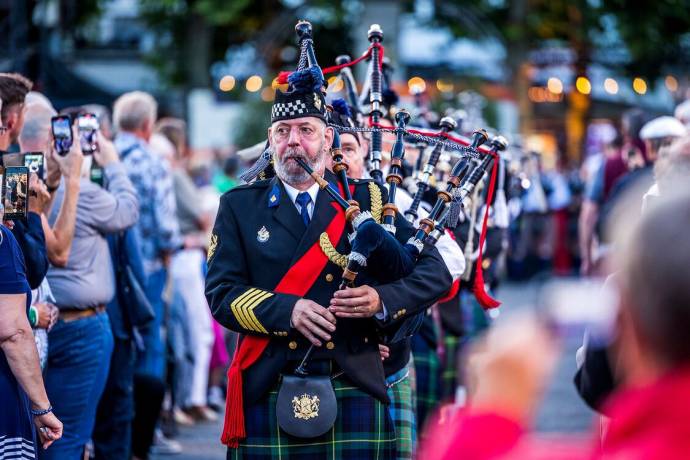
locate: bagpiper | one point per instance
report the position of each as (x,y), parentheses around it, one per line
(272,278)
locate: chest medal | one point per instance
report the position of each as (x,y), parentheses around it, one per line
(262,235)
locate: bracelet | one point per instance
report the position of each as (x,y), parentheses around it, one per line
(38,413)
(52,189)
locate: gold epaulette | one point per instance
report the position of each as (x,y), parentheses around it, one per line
(376,201)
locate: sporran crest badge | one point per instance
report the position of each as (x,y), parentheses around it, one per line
(306,407)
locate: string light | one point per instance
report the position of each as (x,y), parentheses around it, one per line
(416,85)
(639,85)
(555,85)
(671,83)
(583,85)
(253,83)
(611,86)
(227,83)
(267,94)
(445,86)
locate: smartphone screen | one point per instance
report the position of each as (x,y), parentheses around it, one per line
(15,192)
(88,126)
(35,161)
(62,134)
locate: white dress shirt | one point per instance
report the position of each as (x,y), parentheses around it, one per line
(312,191)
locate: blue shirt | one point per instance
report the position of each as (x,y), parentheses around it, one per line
(12,268)
(158,228)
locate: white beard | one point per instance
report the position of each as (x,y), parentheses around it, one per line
(290,172)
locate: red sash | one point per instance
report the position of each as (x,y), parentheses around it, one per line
(297,281)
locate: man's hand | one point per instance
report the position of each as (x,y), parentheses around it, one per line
(49,429)
(40,194)
(313,321)
(47,315)
(384,351)
(508,370)
(105,154)
(359,302)
(70,164)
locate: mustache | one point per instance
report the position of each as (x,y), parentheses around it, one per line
(295,154)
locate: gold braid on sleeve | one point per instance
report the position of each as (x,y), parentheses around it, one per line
(376,201)
(330,251)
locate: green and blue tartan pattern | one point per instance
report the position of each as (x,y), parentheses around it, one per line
(449,374)
(363,430)
(427,368)
(402,412)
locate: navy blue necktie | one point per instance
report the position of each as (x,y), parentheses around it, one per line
(303,199)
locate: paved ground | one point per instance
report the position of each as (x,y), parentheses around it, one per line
(561,411)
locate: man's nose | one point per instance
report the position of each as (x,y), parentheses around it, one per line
(293,139)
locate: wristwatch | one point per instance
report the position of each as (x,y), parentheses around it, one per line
(33,316)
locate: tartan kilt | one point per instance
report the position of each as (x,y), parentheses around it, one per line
(363,430)
(402,412)
(427,369)
(449,381)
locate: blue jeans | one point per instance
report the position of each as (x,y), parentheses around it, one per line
(151,361)
(78,363)
(112,434)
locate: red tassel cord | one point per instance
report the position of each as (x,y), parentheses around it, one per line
(483,297)
(283,76)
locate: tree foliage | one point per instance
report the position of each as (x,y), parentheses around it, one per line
(651,36)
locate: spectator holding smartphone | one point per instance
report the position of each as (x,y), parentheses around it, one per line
(81,342)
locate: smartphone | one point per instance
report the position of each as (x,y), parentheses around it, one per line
(15,192)
(35,161)
(88,126)
(570,306)
(62,133)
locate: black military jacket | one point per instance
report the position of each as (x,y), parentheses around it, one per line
(258,236)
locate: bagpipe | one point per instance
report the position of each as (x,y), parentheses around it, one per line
(369,239)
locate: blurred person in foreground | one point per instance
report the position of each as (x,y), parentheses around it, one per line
(187,269)
(649,410)
(134,116)
(82,342)
(23,399)
(596,376)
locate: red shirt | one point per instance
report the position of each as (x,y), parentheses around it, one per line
(649,423)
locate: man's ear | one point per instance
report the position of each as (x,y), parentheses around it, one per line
(270,138)
(328,136)
(11,119)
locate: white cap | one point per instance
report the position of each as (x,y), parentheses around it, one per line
(661,127)
(683,112)
(253,152)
